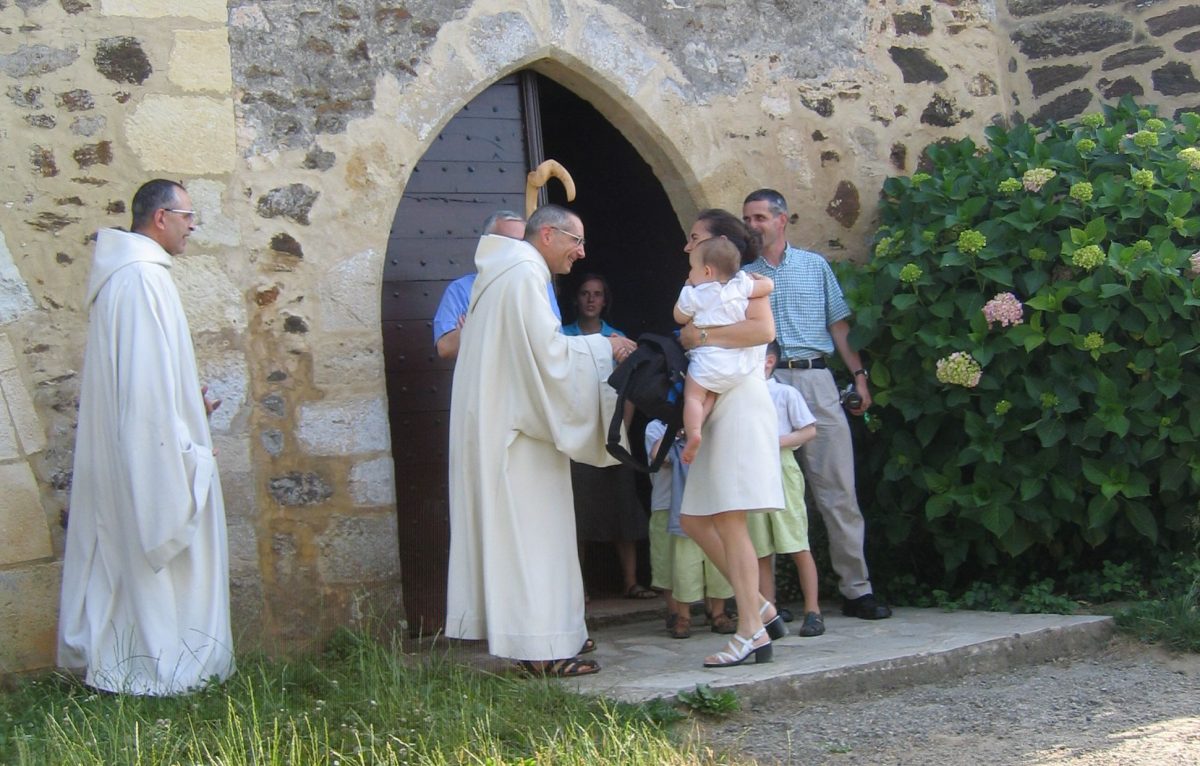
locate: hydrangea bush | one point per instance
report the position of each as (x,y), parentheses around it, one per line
(1032,315)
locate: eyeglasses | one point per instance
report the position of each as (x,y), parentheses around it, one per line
(191,215)
(578,239)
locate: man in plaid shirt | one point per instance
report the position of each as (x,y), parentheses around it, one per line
(810,323)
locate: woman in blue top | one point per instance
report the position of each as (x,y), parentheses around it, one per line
(607,508)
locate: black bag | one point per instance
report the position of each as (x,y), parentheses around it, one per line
(651,378)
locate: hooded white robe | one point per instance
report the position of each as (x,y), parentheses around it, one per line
(145,591)
(526,400)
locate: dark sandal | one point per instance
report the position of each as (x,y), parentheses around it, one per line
(681,628)
(722,623)
(568,668)
(588,647)
(638,592)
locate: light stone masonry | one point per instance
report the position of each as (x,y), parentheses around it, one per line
(24,535)
(205,10)
(183,134)
(343,428)
(19,409)
(200,60)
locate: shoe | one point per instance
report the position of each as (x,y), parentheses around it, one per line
(865,608)
(814,625)
(588,646)
(739,650)
(568,668)
(681,628)
(786,614)
(722,623)
(774,626)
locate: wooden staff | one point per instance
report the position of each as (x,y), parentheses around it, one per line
(538,178)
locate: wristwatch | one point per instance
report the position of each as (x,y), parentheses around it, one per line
(703,337)
(863,372)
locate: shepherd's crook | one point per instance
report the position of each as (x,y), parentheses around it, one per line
(538,178)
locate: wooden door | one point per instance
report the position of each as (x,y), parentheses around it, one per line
(477,165)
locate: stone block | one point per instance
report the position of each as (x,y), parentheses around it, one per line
(293,201)
(215,227)
(1131,57)
(24,418)
(1175,79)
(1189,43)
(360,549)
(200,60)
(1072,35)
(24,534)
(373,482)
(1125,86)
(916,65)
(1070,104)
(343,427)
(211,300)
(205,10)
(347,361)
(15,298)
(497,40)
(1047,78)
(297,489)
(29,617)
(227,379)
(9,447)
(122,59)
(342,289)
(1180,18)
(210,147)
(243,547)
(34,60)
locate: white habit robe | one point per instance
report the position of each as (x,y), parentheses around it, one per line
(526,401)
(145,590)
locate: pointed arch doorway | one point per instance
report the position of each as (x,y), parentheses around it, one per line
(475,166)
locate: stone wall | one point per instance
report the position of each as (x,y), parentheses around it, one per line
(295,125)
(1066,57)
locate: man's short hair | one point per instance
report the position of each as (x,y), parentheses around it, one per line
(489,226)
(775,201)
(721,254)
(554,216)
(773,349)
(153,195)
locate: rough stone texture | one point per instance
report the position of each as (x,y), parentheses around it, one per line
(295,324)
(210,298)
(45,121)
(205,10)
(916,66)
(24,535)
(274,404)
(1070,104)
(1187,16)
(216,228)
(33,60)
(1126,86)
(1033,7)
(200,60)
(93,154)
(42,160)
(293,202)
(1081,33)
(88,126)
(343,428)
(272,441)
(360,549)
(942,112)
(77,100)
(207,151)
(18,403)
(15,298)
(121,59)
(1175,79)
(286,244)
(28,621)
(899,157)
(373,482)
(909,23)
(1047,78)
(26,98)
(1189,43)
(348,361)
(342,288)
(298,489)
(225,375)
(845,206)
(319,159)
(1132,57)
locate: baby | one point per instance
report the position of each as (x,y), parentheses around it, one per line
(717,293)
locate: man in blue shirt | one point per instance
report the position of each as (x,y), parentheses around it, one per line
(452,310)
(810,323)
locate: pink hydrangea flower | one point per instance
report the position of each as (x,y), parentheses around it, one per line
(1005,309)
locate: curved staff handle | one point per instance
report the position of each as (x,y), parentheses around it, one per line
(538,178)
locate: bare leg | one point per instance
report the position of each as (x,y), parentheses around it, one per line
(724,539)
(766,577)
(697,404)
(627,555)
(806,568)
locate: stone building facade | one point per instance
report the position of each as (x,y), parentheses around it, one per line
(296,127)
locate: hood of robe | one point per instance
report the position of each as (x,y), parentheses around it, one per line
(116,249)
(497,254)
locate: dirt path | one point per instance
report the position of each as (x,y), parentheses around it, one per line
(1128,705)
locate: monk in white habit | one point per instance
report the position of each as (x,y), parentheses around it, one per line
(526,401)
(145,589)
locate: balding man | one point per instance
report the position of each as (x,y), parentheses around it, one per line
(526,400)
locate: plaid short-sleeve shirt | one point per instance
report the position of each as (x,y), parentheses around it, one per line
(806,300)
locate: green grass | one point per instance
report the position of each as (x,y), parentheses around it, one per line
(361,702)
(1173,622)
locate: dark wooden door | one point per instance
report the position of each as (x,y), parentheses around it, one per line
(477,165)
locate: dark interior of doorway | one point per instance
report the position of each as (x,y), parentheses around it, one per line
(633,239)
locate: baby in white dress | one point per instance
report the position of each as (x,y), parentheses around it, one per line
(716,294)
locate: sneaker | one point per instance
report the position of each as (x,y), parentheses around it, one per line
(814,625)
(866,608)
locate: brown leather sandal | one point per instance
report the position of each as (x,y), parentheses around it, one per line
(681,627)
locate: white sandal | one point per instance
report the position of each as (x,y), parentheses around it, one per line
(776,627)
(739,650)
